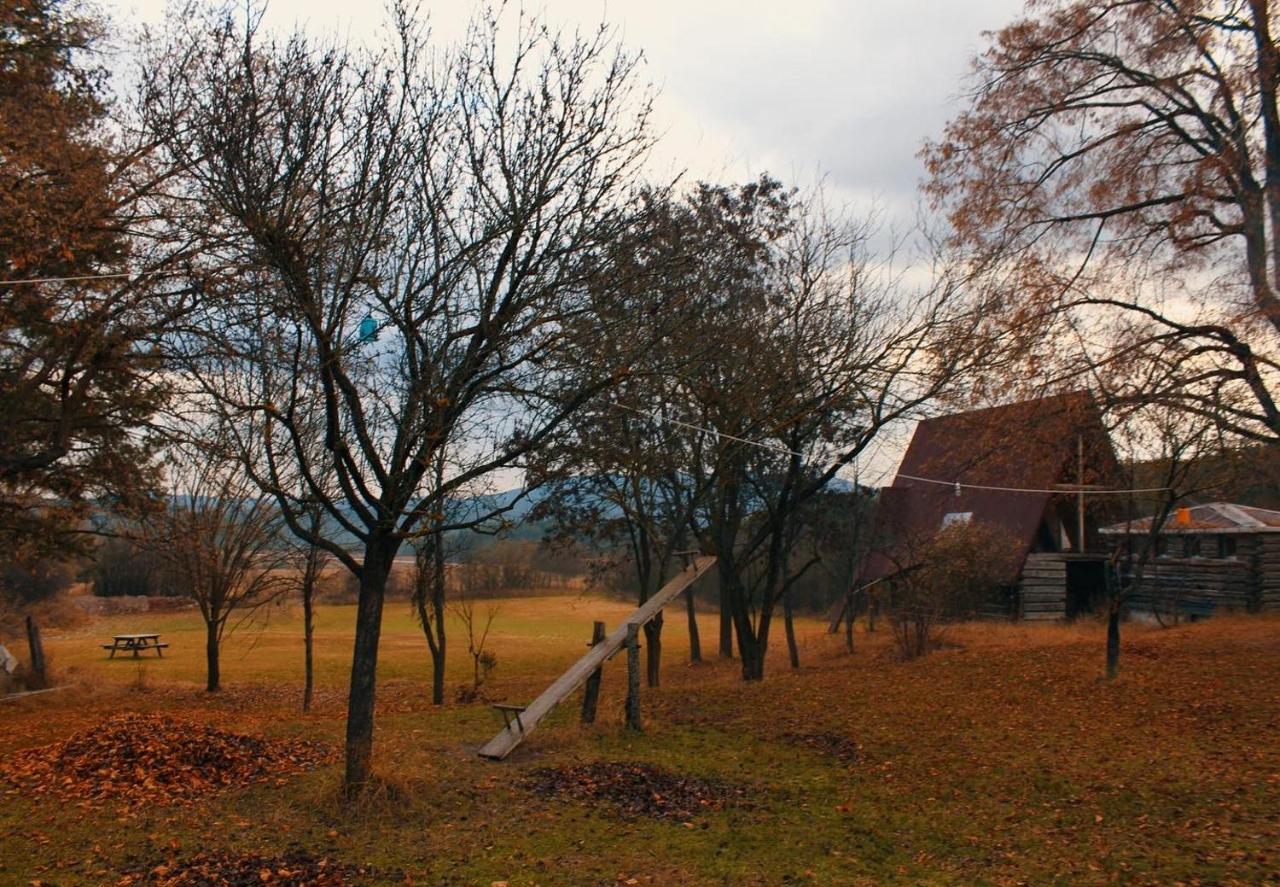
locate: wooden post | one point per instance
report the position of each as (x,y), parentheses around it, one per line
(1080,546)
(37,653)
(591,695)
(633,677)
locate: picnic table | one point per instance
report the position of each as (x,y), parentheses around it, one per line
(135,642)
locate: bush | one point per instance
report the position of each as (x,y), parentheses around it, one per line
(40,580)
(950,575)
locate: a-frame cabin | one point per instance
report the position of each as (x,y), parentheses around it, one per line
(1025,469)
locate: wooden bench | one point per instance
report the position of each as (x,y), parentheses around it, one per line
(511,714)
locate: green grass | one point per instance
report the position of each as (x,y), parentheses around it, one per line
(1001,759)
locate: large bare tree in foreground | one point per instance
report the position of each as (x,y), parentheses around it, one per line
(1117,171)
(401,240)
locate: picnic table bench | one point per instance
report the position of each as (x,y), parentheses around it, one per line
(137,643)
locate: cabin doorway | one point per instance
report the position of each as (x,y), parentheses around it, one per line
(1086,586)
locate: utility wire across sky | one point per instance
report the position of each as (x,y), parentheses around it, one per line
(957,485)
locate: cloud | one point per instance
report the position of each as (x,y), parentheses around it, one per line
(850,89)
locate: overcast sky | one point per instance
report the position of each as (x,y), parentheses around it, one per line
(844,89)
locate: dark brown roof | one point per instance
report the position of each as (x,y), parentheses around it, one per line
(1007,460)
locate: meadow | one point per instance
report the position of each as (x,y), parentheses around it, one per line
(1001,758)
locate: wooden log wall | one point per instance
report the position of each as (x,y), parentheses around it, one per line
(1044,587)
(1217,583)
(1266,563)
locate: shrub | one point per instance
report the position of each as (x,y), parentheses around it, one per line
(948,576)
(39,580)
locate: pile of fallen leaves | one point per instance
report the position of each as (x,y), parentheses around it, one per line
(155,758)
(636,789)
(222,869)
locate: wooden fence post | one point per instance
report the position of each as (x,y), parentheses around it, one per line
(633,677)
(37,653)
(591,695)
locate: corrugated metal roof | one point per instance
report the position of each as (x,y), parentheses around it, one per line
(1027,445)
(1211,517)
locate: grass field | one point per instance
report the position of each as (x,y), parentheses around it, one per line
(999,759)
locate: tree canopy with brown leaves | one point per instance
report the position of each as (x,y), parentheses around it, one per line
(1118,168)
(78,373)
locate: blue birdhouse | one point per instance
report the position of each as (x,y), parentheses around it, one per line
(368,329)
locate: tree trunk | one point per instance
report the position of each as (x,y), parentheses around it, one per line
(748,644)
(437,615)
(364,664)
(437,662)
(214,678)
(695,643)
(310,575)
(726,614)
(752,660)
(1113,642)
(653,650)
(429,598)
(848,622)
(39,671)
(591,694)
(792,650)
(308,640)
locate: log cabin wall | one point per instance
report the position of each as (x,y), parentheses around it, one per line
(1266,560)
(1196,584)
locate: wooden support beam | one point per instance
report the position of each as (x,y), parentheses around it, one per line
(501,745)
(632,644)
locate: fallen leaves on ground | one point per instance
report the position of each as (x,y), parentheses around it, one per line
(842,748)
(155,759)
(636,790)
(222,869)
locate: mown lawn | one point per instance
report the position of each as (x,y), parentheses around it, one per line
(1000,759)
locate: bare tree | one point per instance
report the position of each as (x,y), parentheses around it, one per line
(811,362)
(1117,174)
(220,543)
(616,479)
(1180,447)
(429,589)
(477,627)
(314,561)
(403,241)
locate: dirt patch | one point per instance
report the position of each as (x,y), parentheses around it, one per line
(637,790)
(842,748)
(221,869)
(157,759)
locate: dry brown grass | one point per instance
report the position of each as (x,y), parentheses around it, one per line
(1003,758)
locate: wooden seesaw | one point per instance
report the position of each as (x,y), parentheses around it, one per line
(520,720)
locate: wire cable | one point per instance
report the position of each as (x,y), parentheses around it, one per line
(955,484)
(113,276)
